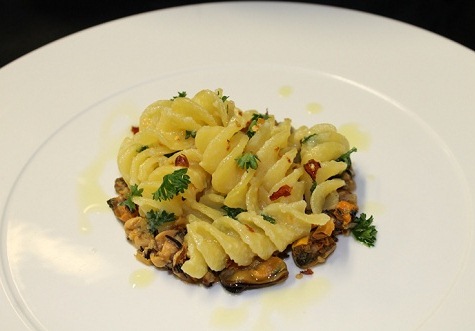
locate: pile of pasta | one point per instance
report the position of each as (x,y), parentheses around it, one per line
(253,185)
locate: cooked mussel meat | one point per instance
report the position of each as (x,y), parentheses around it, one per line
(177,262)
(316,247)
(258,274)
(121,211)
(309,251)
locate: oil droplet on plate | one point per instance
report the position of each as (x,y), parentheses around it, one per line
(91,196)
(282,302)
(141,278)
(229,317)
(84,224)
(285,91)
(287,302)
(313,108)
(355,135)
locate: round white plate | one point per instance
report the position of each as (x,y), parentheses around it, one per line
(402,95)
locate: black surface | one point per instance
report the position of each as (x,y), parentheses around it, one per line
(28,24)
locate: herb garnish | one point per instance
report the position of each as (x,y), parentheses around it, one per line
(190,134)
(346,157)
(364,231)
(142,148)
(313,187)
(307,138)
(173,184)
(157,218)
(268,218)
(251,131)
(134,192)
(180,95)
(170,154)
(233,212)
(247,160)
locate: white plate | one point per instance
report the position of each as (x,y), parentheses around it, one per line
(402,95)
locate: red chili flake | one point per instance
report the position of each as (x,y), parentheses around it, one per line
(307,272)
(249,228)
(311,167)
(246,127)
(283,191)
(134,129)
(182,161)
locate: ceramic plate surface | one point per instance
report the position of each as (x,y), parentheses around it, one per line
(403,97)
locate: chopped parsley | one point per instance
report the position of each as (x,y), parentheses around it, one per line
(190,134)
(233,212)
(364,231)
(251,131)
(170,154)
(307,138)
(346,157)
(247,160)
(142,148)
(224,97)
(268,218)
(180,95)
(134,192)
(313,187)
(173,184)
(157,218)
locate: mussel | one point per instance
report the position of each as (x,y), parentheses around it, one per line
(316,247)
(313,252)
(236,279)
(121,211)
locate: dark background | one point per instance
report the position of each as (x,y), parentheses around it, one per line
(28,24)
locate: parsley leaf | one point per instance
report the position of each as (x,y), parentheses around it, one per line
(247,160)
(364,231)
(225,97)
(180,95)
(157,218)
(232,212)
(268,218)
(170,154)
(190,134)
(142,148)
(254,120)
(346,157)
(173,184)
(307,138)
(134,192)
(313,187)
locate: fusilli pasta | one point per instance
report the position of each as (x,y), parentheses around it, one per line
(228,187)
